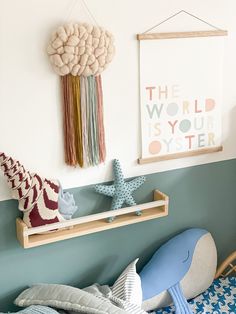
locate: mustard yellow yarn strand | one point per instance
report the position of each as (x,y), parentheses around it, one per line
(75,81)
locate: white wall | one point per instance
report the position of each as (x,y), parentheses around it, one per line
(30,108)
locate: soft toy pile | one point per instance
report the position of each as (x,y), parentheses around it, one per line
(39,198)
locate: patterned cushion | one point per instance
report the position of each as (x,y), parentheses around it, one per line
(104,292)
(128,285)
(66,298)
(220,298)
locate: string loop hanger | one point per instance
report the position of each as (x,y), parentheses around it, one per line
(180,12)
(84,4)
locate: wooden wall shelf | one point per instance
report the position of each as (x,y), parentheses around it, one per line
(32,237)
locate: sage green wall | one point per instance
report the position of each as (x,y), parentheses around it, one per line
(200,196)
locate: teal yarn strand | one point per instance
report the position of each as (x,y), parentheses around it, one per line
(88,137)
(90,157)
(83,105)
(93,122)
(89,110)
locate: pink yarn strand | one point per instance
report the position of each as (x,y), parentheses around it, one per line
(83,99)
(101,130)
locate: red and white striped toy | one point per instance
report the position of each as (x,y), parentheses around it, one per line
(37,196)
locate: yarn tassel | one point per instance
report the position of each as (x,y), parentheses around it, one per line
(83,100)
(68,122)
(93,130)
(101,131)
(84,135)
(95,123)
(75,83)
(88,110)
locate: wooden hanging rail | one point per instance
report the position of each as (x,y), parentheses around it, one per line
(191,153)
(32,237)
(149,36)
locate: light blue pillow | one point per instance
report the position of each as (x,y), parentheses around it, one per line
(37,309)
(66,298)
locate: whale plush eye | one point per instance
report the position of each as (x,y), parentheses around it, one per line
(185,260)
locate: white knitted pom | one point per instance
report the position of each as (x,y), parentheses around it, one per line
(80,49)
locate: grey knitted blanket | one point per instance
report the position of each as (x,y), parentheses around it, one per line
(37,309)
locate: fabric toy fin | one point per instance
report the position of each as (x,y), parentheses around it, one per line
(67,206)
(181,304)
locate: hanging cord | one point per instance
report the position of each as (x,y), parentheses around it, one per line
(89,12)
(182,11)
(73,7)
(70,10)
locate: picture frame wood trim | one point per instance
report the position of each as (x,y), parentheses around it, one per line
(202,151)
(171,35)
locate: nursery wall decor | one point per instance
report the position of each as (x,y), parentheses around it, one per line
(120,191)
(41,200)
(180,92)
(79,53)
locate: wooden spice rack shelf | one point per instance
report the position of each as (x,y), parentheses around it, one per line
(32,237)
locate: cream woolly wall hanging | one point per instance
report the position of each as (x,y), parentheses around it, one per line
(79,53)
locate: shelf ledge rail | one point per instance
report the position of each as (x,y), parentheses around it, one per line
(94,217)
(36,236)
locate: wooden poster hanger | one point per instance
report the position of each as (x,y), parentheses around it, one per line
(151,34)
(148,36)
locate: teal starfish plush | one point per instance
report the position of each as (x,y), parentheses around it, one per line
(121,191)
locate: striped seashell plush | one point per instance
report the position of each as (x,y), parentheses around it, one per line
(38,197)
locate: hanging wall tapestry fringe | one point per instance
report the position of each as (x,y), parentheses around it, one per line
(79,53)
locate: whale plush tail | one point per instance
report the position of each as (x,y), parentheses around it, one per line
(181,304)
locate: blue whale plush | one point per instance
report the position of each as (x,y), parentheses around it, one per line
(169,265)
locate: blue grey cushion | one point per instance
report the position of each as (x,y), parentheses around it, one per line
(37,309)
(66,298)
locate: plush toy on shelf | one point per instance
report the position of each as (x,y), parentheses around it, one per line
(41,200)
(121,191)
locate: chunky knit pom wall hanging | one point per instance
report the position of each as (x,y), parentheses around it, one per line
(79,53)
